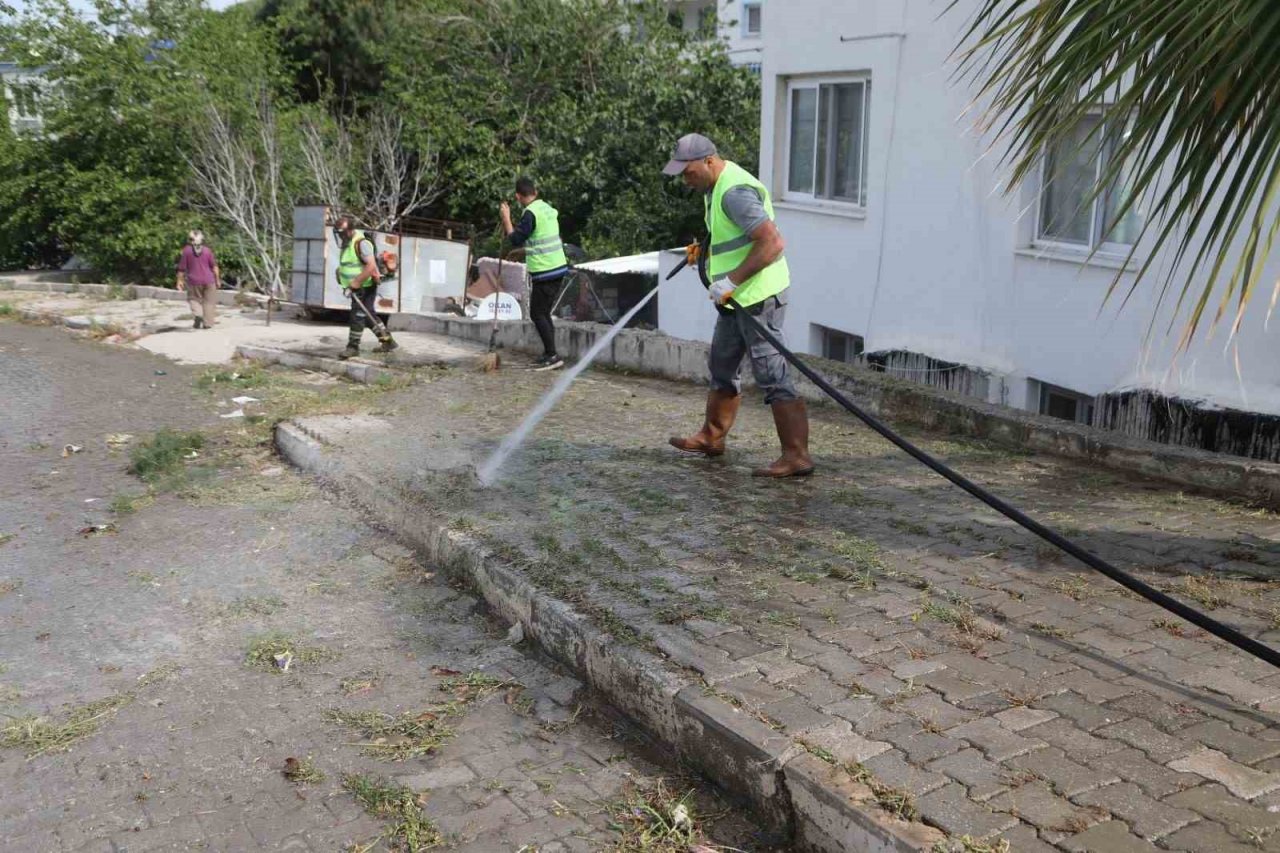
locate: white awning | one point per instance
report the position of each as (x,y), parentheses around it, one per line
(646,264)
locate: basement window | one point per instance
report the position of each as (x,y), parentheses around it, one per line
(1057,402)
(838,346)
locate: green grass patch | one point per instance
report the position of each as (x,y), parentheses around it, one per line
(7,309)
(161,456)
(410,830)
(238,378)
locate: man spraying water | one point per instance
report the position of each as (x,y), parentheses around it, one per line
(746,264)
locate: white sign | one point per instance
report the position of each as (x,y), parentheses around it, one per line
(508,307)
(437,272)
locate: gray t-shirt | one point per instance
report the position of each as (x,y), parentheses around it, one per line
(745,208)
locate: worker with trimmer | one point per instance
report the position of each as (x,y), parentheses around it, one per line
(747,272)
(358,274)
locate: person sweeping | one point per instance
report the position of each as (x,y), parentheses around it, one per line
(748,272)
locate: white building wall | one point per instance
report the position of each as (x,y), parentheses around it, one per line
(743,48)
(941,262)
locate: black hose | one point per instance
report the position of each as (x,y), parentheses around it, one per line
(1195,617)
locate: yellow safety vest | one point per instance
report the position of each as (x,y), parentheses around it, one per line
(349,264)
(730,245)
(544,250)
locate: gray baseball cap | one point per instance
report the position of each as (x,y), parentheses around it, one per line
(691,147)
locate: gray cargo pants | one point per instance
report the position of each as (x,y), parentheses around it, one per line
(735,338)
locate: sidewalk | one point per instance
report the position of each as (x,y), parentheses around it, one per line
(906,667)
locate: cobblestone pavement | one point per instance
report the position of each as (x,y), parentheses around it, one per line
(132,645)
(873,614)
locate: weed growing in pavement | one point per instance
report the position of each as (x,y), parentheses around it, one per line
(959,615)
(818,752)
(691,608)
(906,526)
(1206,591)
(784,620)
(896,801)
(7,309)
(240,377)
(410,830)
(97,331)
(265,648)
(1075,587)
(1048,630)
(161,456)
(1172,626)
(6,538)
(302,772)
(9,586)
(863,555)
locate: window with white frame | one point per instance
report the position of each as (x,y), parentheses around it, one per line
(751,19)
(827,140)
(1072,169)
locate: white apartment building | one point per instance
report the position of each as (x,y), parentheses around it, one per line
(906,254)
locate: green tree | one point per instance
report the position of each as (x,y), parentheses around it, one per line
(585,96)
(124,95)
(1194,82)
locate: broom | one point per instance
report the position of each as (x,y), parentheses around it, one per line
(491,361)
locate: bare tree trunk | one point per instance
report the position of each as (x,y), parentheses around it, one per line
(327,158)
(396,180)
(237,174)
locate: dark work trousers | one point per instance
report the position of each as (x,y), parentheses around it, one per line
(368,297)
(540,302)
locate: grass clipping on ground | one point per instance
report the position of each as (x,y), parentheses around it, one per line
(410,829)
(417,733)
(279,653)
(41,735)
(653,819)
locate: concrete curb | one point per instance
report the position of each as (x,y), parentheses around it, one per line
(899,400)
(86,322)
(357,371)
(792,792)
(127,291)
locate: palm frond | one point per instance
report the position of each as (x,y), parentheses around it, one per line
(1199,85)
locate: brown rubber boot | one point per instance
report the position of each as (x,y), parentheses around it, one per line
(722,411)
(792,421)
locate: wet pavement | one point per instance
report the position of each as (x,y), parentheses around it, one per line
(882,620)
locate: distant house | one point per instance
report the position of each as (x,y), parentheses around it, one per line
(906,256)
(739,23)
(22,90)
